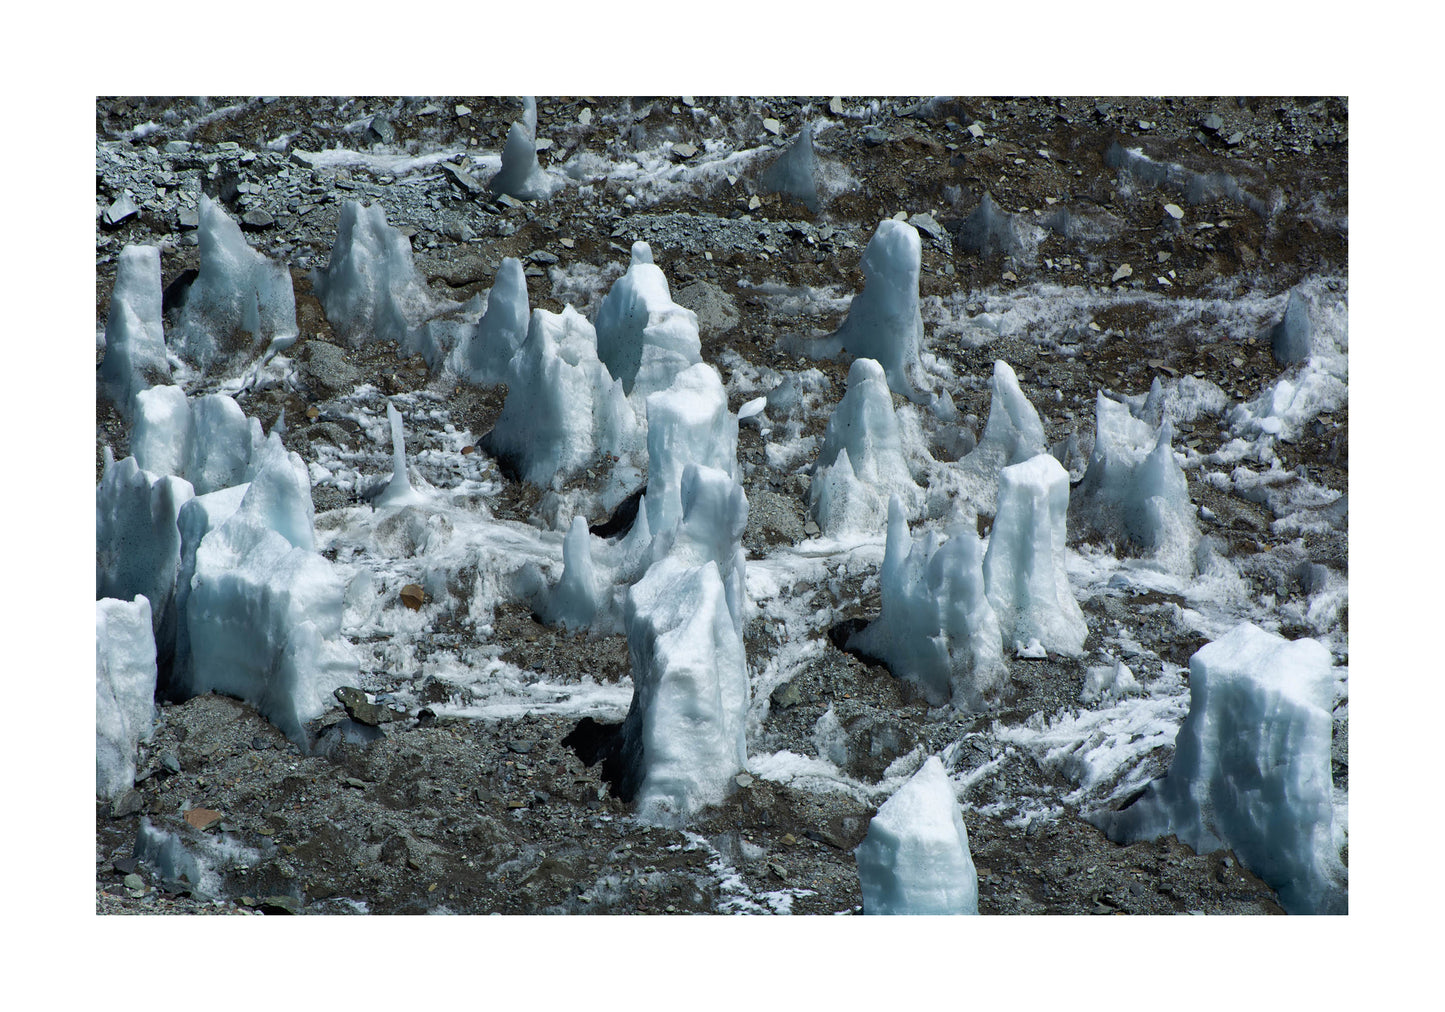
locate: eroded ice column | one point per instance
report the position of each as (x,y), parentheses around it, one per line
(370,288)
(644,338)
(1024,569)
(521,175)
(1251,768)
(885,322)
(861,462)
(792,173)
(125,687)
(240,302)
(915,858)
(562,406)
(135,346)
(688,423)
(484,355)
(1134,492)
(936,628)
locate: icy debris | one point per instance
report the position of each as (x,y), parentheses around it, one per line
(1024,570)
(915,858)
(370,288)
(684,736)
(1291,338)
(398,491)
(643,337)
(562,407)
(1134,491)
(988,231)
(207,440)
(885,322)
(1197,187)
(936,628)
(264,616)
(714,516)
(688,423)
(861,463)
(792,172)
(137,542)
(1105,682)
(1251,768)
(483,355)
(1012,434)
(240,302)
(521,175)
(135,346)
(125,687)
(580,594)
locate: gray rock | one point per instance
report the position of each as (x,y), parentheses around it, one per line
(835,106)
(786,696)
(129,803)
(521,746)
(256,220)
(381,129)
(188,218)
(925,222)
(684,149)
(543,257)
(1290,339)
(121,209)
(717,311)
(462,178)
(1212,123)
(326,370)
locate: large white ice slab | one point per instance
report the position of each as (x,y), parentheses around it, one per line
(484,355)
(885,322)
(688,423)
(1251,768)
(370,289)
(239,303)
(1024,569)
(135,346)
(643,337)
(125,688)
(915,858)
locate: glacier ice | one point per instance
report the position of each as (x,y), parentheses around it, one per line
(135,345)
(580,594)
(125,688)
(1134,491)
(240,302)
(207,440)
(988,231)
(370,288)
(1024,571)
(264,613)
(1251,768)
(562,406)
(861,462)
(162,437)
(936,628)
(398,491)
(792,172)
(643,337)
(1290,339)
(1012,434)
(710,529)
(688,423)
(915,858)
(885,321)
(197,518)
(484,354)
(137,542)
(684,736)
(521,175)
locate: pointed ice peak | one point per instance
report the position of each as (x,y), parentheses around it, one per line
(885,321)
(135,347)
(529,116)
(1290,339)
(792,173)
(579,594)
(399,491)
(988,231)
(641,253)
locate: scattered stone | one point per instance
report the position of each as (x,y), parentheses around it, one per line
(684,150)
(1212,123)
(257,220)
(170,762)
(811,529)
(188,218)
(754,203)
(1010,276)
(413,596)
(1174,211)
(1234,139)
(569,243)
(134,882)
(1123,272)
(202,818)
(925,222)
(279,905)
(975,130)
(129,803)
(360,785)
(381,129)
(787,695)
(835,106)
(688,101)
(121,209)
(743,780)
(521,746)
(463,110)
(462,178)
(772,126)
(584,117)
(543,257)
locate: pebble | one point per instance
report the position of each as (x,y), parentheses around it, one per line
(1174,211)
(1212,123)
(976,129)
(584,117)
(413,596)
(521,746)
(754,203)
(772,126)
(257,219)
(1123,272)
(463,110)
(743,780)
(134,882)
(835,106)
(684,150)
(122,208)
(689,101)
